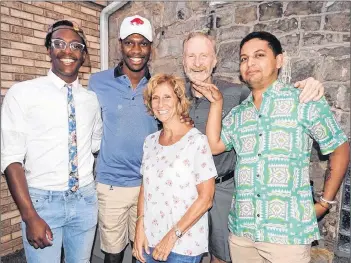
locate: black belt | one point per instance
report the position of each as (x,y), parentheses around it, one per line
(224,178)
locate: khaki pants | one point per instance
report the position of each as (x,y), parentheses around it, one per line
(244,250)
(117,216)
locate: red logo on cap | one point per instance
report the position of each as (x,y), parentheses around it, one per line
(137,21)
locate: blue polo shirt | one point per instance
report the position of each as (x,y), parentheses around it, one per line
(126,124)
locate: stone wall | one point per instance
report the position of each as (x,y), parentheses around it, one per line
(23,57)
(316,35)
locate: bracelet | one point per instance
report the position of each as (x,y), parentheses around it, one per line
(327,201)
(139,217)
(323,206)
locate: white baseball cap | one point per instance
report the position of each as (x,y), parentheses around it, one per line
(136,25)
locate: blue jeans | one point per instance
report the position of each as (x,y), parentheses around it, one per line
(172,258)
(72,217)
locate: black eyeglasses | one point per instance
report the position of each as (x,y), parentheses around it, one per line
(62,45)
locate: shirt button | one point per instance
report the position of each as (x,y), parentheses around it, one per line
(258,215)
(258,195)
(257,175)
(197,117)
(259,154)
(260,134)
(133,98)
(259,116)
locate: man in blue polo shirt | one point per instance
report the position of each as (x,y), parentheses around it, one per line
(125,126)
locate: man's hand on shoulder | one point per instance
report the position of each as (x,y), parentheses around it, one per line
(312,89)
(187,119)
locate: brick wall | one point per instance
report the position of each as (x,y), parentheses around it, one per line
(24,57)
(10,222)
(316,34)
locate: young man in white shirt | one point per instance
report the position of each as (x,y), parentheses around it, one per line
(50,127)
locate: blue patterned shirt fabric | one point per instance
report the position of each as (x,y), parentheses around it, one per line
(73,182)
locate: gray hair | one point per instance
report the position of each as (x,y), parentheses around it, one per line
(201,34)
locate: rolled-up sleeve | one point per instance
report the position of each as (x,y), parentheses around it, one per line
(97,132)
(13,129)
(97,129)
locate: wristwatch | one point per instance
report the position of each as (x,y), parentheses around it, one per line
(177,231)
(326,203)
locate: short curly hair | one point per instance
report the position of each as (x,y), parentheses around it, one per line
(178,86)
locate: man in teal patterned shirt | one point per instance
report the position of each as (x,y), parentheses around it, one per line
(273,218)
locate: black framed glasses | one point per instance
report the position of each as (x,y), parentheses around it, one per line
(62,45)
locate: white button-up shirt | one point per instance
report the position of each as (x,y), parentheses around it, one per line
(34,131)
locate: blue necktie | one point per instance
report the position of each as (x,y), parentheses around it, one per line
(73,182)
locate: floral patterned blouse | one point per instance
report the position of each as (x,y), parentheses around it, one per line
(170,176)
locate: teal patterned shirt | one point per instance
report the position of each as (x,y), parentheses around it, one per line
(272,201)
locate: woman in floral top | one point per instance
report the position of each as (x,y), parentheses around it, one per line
(178,180)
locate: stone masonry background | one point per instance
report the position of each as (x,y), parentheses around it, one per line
(315,34)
